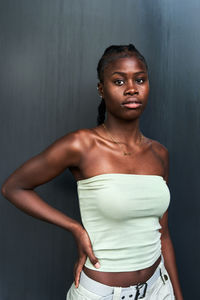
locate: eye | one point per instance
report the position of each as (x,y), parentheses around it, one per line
(140,80)
(119,81)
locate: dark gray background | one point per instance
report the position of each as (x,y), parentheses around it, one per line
(48,55)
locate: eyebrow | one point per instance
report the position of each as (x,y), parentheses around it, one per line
(123,73)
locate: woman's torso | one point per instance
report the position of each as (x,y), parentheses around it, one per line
(99,155)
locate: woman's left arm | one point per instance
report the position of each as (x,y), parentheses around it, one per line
(169,257)
(166,243)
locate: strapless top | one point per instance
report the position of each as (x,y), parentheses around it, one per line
(121,214)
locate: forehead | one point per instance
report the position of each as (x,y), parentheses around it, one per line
(125,65)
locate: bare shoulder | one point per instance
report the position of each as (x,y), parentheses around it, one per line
(163,153)
(73,143)
(75,140)
(80,139)
(159,148)
(67,151)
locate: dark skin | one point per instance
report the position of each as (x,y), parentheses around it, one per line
(89,152)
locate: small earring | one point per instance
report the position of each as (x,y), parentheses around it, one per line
(99,93)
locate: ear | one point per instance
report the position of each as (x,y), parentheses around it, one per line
(100,89)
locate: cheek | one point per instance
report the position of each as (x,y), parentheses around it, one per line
(112,98)
(144,91)
(147,88)
(111,104)
(111,92)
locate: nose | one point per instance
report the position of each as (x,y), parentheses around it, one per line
(131,88)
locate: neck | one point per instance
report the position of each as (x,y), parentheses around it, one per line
(124,131)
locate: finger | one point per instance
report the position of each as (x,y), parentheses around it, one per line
(74,271)
(77,275)
(94,260)
(78,269)
(77,279)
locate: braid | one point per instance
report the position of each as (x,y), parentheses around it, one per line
(101,112)
(111,54)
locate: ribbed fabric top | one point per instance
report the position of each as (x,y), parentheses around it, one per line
(121,214)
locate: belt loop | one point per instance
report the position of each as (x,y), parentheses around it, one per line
(117,293)
(162,258)
(139,288)
(161,275)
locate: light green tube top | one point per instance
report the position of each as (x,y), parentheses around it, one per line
(121,214)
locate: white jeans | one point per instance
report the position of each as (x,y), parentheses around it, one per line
(161,289)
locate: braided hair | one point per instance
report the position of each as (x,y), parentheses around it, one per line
(111,54)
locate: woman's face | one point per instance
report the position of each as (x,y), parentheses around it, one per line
(125,80)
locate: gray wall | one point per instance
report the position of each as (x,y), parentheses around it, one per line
(48,55)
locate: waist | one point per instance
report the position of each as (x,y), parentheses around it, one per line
(125,254)
(122,279)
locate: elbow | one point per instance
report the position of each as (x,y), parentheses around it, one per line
(5,189)
(10,189)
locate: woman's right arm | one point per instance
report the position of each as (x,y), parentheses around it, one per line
(19,188)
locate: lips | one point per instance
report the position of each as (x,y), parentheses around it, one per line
(132,103)
(131,100)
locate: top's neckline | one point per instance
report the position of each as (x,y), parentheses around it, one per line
(118,174)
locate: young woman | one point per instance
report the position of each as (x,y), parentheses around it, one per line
(124,245)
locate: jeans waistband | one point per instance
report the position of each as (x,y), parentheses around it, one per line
(105,290)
